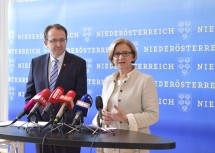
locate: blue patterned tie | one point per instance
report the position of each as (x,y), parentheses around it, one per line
(53,75)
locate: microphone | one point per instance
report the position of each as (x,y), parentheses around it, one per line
(66,103)
(40,100)
(25,111)
(53,99)
(81,108)
(99,106)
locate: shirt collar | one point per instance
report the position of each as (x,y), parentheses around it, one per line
(114,75)
(60,58)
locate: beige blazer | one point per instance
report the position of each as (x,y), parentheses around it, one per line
(138,98)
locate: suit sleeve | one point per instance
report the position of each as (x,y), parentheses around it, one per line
(81,80)
(30,85)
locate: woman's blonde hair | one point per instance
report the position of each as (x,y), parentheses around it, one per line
(121,41)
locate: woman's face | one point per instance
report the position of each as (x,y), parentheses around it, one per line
(122,57)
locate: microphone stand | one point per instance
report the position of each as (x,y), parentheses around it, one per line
(35,123)
(104,130)
(61,125)
(99,122)
(99,128)
(81,120)
(79,127)
(81,123)
(51,120)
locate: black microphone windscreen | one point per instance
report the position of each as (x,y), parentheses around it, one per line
(99,102)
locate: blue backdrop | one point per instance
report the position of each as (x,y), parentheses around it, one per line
(175,42)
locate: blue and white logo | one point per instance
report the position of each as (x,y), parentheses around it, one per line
(11,92)
(11,36)
(11,65)
(87,33)
(89,62)
(184,102)
(184,65)
(184,29)
(90,92)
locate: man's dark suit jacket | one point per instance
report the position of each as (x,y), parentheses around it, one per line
(71,77)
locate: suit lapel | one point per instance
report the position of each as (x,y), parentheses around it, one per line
(46,70)
(63,71)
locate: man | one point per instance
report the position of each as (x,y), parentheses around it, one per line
(71,75)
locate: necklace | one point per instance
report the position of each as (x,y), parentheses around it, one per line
(119,82)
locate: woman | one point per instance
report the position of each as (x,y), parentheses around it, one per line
(129,97)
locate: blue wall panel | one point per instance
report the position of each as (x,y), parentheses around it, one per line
(175,42)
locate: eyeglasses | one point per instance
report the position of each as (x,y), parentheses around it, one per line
(54,41)
(123,53)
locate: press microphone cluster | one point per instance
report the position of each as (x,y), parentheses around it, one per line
(26,110)
(53,99)
(67,103)
(81,108)
(40,100)
(41,96)
(48,100)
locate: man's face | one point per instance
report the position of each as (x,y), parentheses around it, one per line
(56,42)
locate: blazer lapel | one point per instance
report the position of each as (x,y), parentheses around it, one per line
(64,67)
(45,70)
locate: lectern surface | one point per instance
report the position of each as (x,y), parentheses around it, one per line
(84,138)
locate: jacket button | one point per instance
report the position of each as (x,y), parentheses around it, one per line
(119,100)
(120,90)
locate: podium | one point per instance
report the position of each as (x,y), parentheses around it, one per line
(84,138)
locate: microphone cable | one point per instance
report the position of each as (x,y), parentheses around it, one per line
(5,125)
(44,138)
(99,132)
